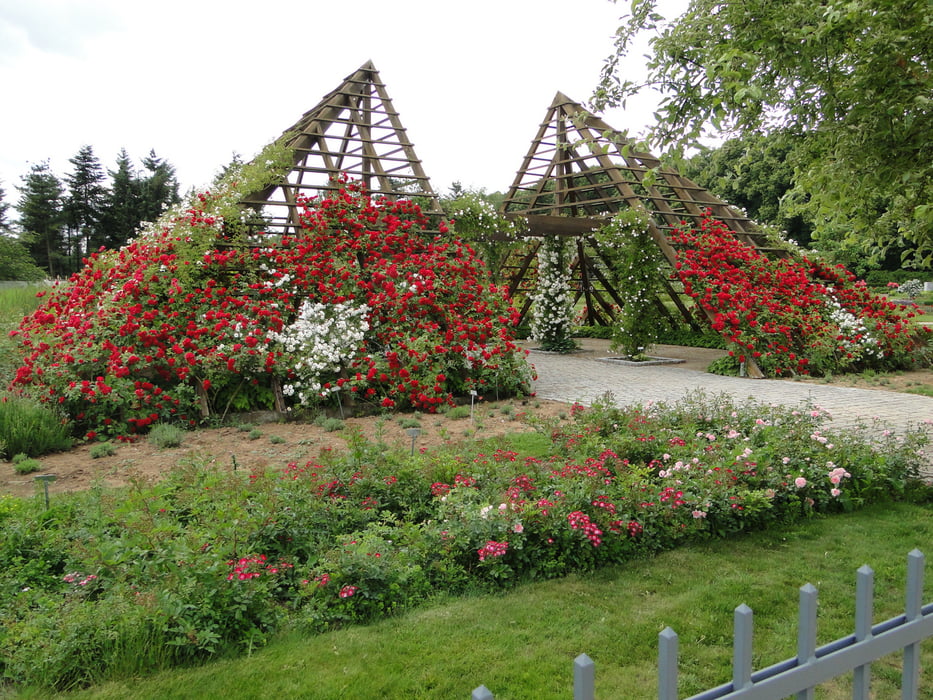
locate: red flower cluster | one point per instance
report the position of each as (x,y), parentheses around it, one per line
(187,319)
(254,567)
(492,549)
(789,316)
(581,521)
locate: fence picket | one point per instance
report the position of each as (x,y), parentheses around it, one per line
(482,693)
(864,611)
(910,683)
(812,666)
(742,631)
(584,678)
(806,632)
(667,664)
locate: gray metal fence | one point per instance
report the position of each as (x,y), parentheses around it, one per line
(799,675)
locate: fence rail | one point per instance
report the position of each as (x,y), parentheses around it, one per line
(799,675)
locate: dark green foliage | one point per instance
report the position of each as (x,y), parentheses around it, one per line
(158,187)
(753,172)
(692,339)
(601,332)
(42,221)
(851,81)
(15,261)
(83,206)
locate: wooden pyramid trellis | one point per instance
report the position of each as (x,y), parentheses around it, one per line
(355,130)
(578,172)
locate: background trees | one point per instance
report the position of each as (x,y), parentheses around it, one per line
(84,205)
(15,261)
(850,81)
(62,220)
(42,220)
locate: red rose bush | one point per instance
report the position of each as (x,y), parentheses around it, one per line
(792,316)
(199,315)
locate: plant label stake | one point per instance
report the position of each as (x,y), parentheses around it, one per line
(45,479)
(472,397)
(413,433)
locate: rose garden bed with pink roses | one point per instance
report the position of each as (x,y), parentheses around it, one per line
(207,562)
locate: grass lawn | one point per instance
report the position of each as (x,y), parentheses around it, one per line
(522,644)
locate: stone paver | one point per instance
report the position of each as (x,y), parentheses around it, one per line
(581,377)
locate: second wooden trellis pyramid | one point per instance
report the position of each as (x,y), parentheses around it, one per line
(578,172)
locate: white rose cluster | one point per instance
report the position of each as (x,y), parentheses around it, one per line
(552,302)
(322,337)
(855,337)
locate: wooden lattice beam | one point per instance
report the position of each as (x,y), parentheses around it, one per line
(354,130)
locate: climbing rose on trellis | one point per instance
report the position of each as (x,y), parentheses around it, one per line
(790,316)
(552,309)
(197,315)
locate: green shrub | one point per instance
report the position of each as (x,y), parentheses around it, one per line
(331,425)
(600,332)
(881,278)
(31,428)
(459,412)
(727,366)
(103,449)
(254,434)
(692,339)
(277,440)
(232,557)
(27,466)
(166,435)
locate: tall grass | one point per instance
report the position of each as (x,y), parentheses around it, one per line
(26,427)
(30,428)
(15,303)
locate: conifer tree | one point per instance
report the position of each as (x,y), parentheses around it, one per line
(84,204)
(158,187)
(42,221)
(122,211)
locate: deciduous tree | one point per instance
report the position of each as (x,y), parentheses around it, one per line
(851,79)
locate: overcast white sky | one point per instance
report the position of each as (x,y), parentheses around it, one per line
(198,80)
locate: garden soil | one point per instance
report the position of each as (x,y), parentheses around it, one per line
(258,443)
(272,445)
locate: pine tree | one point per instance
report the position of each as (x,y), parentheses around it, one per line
(42,221)
(159,188)
(122,211)
(84,204)
(4,208)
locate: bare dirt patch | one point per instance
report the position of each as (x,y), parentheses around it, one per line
(279,443)
(260,445)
